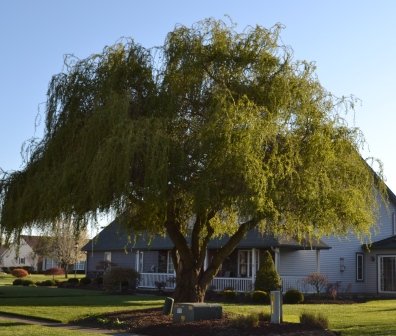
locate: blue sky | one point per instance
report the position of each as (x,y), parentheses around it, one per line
(352,43)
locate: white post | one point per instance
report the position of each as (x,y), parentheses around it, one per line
(277,259)
(317,261)
(254,270)
(137,261)
(276,307)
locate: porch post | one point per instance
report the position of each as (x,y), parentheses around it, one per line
(137,255)
(254,270)
(317,261)
(277,259)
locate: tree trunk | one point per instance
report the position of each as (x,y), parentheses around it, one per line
(189,288)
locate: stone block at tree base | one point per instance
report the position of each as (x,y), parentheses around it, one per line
(188,312)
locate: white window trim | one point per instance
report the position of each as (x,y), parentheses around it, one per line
(359,256)
(379,258)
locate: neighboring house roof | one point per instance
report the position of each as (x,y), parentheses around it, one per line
(32,241)
(384,244)
(115,237)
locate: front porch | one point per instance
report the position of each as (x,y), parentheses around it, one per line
(149,280)
(238,271)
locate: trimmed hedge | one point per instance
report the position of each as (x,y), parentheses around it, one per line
(260,297)
(85,281)
(46,283)
(294,296)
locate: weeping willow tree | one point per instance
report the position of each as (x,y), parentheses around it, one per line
(216,132)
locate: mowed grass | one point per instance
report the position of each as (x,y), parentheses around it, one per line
(9,327)
(359,319)
(371,318)
(7,279)
(65,305)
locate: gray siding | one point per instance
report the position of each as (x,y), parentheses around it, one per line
(348,247)
(120,258)
(297,263)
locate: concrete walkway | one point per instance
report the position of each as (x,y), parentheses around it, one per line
(51,324)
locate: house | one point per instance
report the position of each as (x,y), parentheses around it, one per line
(368,266)
(350,264)
(25,254)
(150,256)
(20,255)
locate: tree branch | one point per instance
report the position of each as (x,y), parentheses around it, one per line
(226,250)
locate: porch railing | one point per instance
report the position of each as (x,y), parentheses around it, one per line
(296,282)
(148,280)
(237,284)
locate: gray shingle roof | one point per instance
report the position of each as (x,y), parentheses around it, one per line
(115,237)
(384,244)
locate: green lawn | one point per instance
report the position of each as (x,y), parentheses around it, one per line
(7,279)
(371,318)
(14,328)
(64,305)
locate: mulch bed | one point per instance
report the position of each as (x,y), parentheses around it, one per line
(152,322)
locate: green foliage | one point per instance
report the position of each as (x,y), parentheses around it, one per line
(85,281)
(267,278)
(229,295)
(119,276)
(245,321)
(259,296)
(73,281)
(314,320)
(46,283)
(294,296)
(215,123)
(27,282)
(19,273)
(17,282)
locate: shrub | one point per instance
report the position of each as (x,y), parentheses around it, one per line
(114,278)
(260,297)
(73,281)
(229,295)
(27,282)
(98,281)
(294,296)
(55,271)
(316,280)
(264,317)
(46,283)
(19,273)
(17,282)
(267,278)
(246,321)
(316,321)
(85,281)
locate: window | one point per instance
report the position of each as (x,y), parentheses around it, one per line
(107,256)
(22,261)
(394,222)
(359,267)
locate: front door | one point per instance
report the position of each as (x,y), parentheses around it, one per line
(387,273)
(244,263)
